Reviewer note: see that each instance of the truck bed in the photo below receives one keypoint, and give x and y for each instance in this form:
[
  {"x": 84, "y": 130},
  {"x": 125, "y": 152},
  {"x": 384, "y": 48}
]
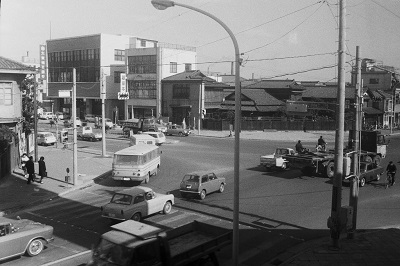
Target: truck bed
[{"x": 195, "y": 240}]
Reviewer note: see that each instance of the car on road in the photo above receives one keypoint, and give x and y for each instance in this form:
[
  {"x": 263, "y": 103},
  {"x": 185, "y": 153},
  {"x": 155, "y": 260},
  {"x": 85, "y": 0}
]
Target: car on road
[
  {"x": 158, "y": 136},
  {"x": 61, "y": 115},
  {"x": 45, "y": 138},
  {"x": 47, "y": 115},
  {"x": 177, "y": 130},
  {"x": 90, "y": 118},
  {"x": 87, "y": 133},
  {"x": 275, "y": 160},
  {"x": 136, "y": 203},
  {"x": 201, "y": 184},
  {"x": 68, "y": 123},
  {"x": 369, "y": 171},
  {"x": 23, "y": 236}
]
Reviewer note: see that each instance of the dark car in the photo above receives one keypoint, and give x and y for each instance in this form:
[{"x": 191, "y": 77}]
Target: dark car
[
  {"x": 18, "y": 237},
  {"x": 369, "y": 172},
  {"x": 201, "y": 184}
]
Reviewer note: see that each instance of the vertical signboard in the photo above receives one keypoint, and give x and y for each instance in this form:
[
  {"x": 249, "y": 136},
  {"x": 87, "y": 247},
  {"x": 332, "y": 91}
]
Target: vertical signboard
[
  {"x": 123, "y": 94},
  {"x": 42, "y": 69}
]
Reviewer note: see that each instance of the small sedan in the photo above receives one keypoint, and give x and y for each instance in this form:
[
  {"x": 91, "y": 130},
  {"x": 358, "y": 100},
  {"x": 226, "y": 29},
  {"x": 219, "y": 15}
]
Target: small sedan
[
  {"x": 177, "y": 130},
  {"x": 369, "y": 172},
  {"x": 136, "y": 203},
  {"x": 201, "y": 184},
  {"x": 46, "y": 138},
  {"x": 68, "y": 123},
  {"x": 22, "y": 236}
]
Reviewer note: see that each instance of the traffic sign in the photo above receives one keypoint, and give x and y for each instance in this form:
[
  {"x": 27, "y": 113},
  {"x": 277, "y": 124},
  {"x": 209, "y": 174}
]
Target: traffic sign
[{"x": 123, "y": 95}]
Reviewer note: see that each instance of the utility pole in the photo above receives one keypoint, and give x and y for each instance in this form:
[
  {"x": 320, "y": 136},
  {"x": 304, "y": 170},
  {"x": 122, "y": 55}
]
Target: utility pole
[
  {"x": 354, "y": 188},
  {"x": 35, "y": 117},
  {"x": 334, "y": 221},
  {"x": 75, "y": 140},
  {"x": 103, "y": 114}
]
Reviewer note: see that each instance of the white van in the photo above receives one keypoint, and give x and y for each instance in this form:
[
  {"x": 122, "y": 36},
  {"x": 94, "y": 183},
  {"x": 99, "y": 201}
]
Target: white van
[
  {"x": 141, "y": 139},
  {"x": 136, "y": 163},
  {"x": 158, "y": 136}
]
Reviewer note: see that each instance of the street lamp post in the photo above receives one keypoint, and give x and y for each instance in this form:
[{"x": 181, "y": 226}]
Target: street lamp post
[{"x": 164, "y": 4}]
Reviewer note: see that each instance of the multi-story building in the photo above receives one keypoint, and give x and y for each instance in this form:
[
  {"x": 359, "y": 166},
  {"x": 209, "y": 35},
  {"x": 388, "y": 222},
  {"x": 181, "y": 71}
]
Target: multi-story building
[
  {"x": 148, "y": 62},
  {"x": 93, "y": 57},
  {"x": 12, "y": 73}
]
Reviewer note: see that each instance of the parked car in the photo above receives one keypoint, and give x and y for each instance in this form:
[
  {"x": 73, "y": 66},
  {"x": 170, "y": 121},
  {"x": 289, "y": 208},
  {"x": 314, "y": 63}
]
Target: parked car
[
  {"x": 60, "y": 115},
  {"x": 136, "y": 203},
  {"x": 45, "y": 138},
  {"x": 68, "y": 123},
  {"x": 22, "y": 236},
  {"x": 47, "y": 115},
  {"x": 109, "y": 123},
  {"x": 201, "y": 184},
  {"x": 158, "y": 136},
  {"x": 177, "y": 130},
  {"x": 90, "y": 118}
]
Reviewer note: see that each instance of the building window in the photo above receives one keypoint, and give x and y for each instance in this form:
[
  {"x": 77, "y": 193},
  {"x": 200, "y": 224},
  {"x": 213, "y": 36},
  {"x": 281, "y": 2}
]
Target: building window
[
  {"x": 117, "y": 76},
  {"x": 142, "y": 64},
  {"x": 188, "y": 67},
  {"x": 181, "y": 91},
  {"x": 143, "y": 43},
  {"x": 119, "y": 55},
  {"x": 5, "y": 93},
  {"x": 142, "y": 89},
  {"x": 374, "y": 81},
  {"x": 173, "y": 67}
]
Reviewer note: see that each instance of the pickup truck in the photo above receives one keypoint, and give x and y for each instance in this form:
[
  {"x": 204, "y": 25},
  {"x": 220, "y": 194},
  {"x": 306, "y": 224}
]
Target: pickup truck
[
  {"x": 276, "y": 160},
  {"x": 88, "y": 134},
  {"x": 135, "y": 243}
]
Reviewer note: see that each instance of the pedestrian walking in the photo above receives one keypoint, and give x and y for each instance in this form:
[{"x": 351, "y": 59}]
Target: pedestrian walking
[
  {"x": 391, "y": 169},
  {"x": 42, "y": 169},
  {"x": 24, "y": 159},
  {"x": 30, "y": 168}
]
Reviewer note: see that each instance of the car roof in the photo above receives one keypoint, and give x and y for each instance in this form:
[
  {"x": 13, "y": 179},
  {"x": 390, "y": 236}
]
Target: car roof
[
  {"x": 44, "y": 132},
  {"x": 136, "y": 149},
  {"x": 200, "y": 173},
  {"x": 4, "y": 220},
  {"x": 135, "y": 190}
]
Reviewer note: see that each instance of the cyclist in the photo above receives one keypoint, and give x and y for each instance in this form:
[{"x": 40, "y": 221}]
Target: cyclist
[{"x": 391, "y": 170}]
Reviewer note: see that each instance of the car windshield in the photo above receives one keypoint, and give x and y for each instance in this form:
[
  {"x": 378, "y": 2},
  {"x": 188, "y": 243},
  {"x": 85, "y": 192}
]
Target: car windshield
[
  {"x": 48, "y": 135},
  {"x": 281, "y": 151},
  {"x": 191, "y": 178},
  {"x": 121, "y": 199}
]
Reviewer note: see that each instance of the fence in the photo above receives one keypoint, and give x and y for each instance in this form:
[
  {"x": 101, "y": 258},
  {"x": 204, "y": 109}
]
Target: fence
[{"x": 319, "y": 125}]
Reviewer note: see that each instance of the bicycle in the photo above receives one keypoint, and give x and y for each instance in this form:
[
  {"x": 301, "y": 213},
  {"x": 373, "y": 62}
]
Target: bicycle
[{"x": 389, "y": 177}]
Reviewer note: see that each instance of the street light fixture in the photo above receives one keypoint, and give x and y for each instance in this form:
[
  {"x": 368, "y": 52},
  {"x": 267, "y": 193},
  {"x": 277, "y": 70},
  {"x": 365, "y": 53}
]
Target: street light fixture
[{"x": 164, "y": 4}]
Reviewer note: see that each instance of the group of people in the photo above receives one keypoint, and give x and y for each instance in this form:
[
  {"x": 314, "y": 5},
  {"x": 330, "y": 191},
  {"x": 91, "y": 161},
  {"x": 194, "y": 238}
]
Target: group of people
[{"x": 29, "y": 168}]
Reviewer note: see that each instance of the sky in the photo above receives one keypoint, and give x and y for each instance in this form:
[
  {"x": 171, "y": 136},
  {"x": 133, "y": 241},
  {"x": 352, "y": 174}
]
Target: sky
[{"x": 278, "y": 39}]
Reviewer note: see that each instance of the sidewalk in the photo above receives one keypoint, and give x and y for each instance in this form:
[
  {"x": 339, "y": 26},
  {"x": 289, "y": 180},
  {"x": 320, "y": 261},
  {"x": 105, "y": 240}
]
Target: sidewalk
[{"x": 373, "y": 247}]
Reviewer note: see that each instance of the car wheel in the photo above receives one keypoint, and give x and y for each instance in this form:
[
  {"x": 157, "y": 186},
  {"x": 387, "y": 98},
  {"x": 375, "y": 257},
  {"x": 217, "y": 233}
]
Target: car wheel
[
  {"x": 221, "y": 188},
  {"x": 35, "y": 247},
  {"x": 203, "y": 194},
  {"x": 180, "y": 134},
  {"x": 284, "y": 166},
  {"x": 147, "y": 178},
  {"x": 92, "y": 139},
  {"x": 167, "y": 207},
  {"x": 330, "y": 170},
  {"x": 362, "y": 182},
  {"x": 136, "y": 217}
]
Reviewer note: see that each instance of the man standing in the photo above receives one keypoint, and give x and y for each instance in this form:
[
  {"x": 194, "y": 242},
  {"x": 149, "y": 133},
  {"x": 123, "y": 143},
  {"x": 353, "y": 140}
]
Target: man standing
[
  {"x": 299, "y": 147},
  {"x": 30, "y": 169},
  {"x": 391, "y": 169},
  {"x": 42, "y": 169}
]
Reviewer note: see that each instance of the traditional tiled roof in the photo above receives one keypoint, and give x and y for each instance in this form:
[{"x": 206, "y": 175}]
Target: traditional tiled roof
[
  {"x": 372, "y": 111},
  {"x": 327, "y": 92},
  {"x": 193, "y": 75},
  {"x": 271, "y": 83},
  {"x": 254, "y": 100},
  {"x": 378, "y": 95},
  {"x": 11, "y": 66}
]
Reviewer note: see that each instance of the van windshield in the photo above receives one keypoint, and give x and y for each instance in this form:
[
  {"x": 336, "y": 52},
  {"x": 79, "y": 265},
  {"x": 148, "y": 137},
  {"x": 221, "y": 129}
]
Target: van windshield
[{"x": 127, "y": 159}]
